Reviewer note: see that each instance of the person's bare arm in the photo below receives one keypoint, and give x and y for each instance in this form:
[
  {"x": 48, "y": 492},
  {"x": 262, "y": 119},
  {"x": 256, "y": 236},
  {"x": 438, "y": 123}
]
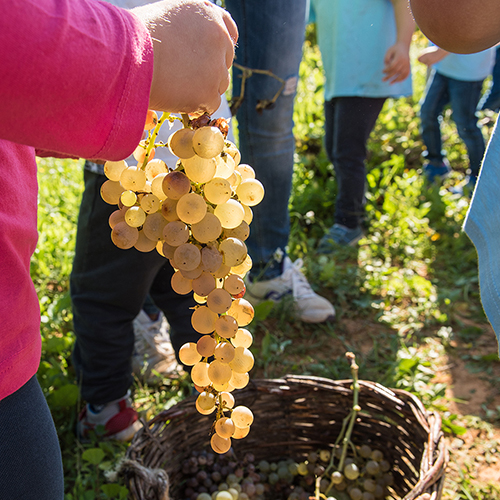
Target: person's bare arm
[
  {"x": 461, "y": 26},
  {"x": 397, "y": 59},
  {"x": 432, "y": 55}
]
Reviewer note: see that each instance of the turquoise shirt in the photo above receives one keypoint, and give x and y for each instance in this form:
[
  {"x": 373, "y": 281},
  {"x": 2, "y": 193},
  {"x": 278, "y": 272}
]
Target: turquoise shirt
[
  {"x": 353, "y": 36},
  {"x": 467, "y": 67}
]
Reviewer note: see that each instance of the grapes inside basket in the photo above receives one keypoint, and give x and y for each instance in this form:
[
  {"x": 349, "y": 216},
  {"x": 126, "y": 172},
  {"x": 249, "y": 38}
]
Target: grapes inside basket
[{"x": 395, "y": 449}]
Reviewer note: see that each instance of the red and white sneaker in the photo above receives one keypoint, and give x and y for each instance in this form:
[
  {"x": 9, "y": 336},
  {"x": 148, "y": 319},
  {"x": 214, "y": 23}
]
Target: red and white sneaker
[{"x": 117, "y": 420}]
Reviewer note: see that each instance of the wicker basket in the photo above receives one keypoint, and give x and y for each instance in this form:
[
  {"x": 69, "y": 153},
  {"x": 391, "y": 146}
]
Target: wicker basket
[{"x": 293, "y": 416}]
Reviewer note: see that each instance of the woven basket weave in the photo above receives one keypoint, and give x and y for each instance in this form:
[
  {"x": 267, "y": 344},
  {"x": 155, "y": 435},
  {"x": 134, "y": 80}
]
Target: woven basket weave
[{"x": 293, "y": 416}]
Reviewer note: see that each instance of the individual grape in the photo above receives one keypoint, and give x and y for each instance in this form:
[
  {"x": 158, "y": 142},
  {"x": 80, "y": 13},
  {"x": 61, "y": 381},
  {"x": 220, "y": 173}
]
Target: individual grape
[
  {"x": 153, "y": 226},
  {"x": 206, "y": 400},
  {"x": 220, "y": 387},
  {"x": 191, "y": 208},
  {"x": 231, "y": 149},
  {"x": 355, "y": 494},
  {"x": 351, "y": 471},
  {"x": 379, "y": 491},
  {"x": 250, "y": 192},
  {"x": 180, "y": 284},
  {"x": 324, "y": 455},
  {"x": 169, "y": 210},
  {"x": 368, "y": 495},
  {"x": 133, "y": 178},
  {"x": 199, "y": 374},
  {"x": 157, "y": 186},
  {"x": 224, "y": 352},
  {"x": 180, "y": 143},
  {"x": 246, "y": 171},
  {"x": 176, "y": 233},
  {"x": 135, "y": 216},
  {"x": 224, "y": 166},
  {"x": 222, "y": 272},
  {"x": 151, "y": 120},
  {"x": 201, "y": 410},
  {"x": 186, "y": 256},
  {"x": 243, "y": 268},
  {"x": 242, "y": 232},
  {"x": 128, "y": 198},
  {"x": 248, "y": 217},
  {"x": 242, "y": 338},
  {"x": 144, "y": 244},
  {"x": 208, "y": 229},
  {"x": 208, "y": 142},
  {"x": 155, "y": 167},
  {"x": 365, "y": 451},
  {"x": 204, "y": 284},
  {"x": 242, "y": 311},
  {"x": 234, "y": 251},
  {"x": 369, "y": 485},
  {"x": 377, "y": 455},
  {"x": 203, "y": 320},
  {"x": 224, "y": 427},
  {"x": 241, "y": 432},
  {"x": 188, "y": 354},
  {"x": 176, "y": 184},
  {"x": 211, "y": 259},
  {"x": 217, "y": 191},
  {"x": 219, "y": 300},
  {"x": 234, "y": 284},
  {"x": 243, "y": 360},
  {"x": 337, "y": 477},
  {"x": 150, "y": 203},
  {"x": 226, "y": 326},
  {"x": 206, "y": 346},
  {"x": 113, "y": 169},
  {"x": 230, "y": 213},
  {"x": 372, "y": 467},
  {"x": 227, "y": 399},
  {"x": 199, "y": 170},
  {"x": 239, "y": 380},
  {"x": 385, "y": 465},
  {"x": 111, "y": 192},
  {"x": 219, "y": 372},
  {"x": 242, "y": 416},
  {"x": 140, "y": 153},
  {"x": 116, "y": 216},
  {"x": 124, "y": 236},
  {"x": 204, "y": 496}
]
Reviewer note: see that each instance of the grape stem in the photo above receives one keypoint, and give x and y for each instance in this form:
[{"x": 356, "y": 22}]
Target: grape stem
[
  {"x": 347, "y": 424},
  {"x": 152, "y": 138}
]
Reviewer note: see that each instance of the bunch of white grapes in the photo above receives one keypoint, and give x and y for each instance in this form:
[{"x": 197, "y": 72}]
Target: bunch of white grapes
[{"x": 198, "y": 217}]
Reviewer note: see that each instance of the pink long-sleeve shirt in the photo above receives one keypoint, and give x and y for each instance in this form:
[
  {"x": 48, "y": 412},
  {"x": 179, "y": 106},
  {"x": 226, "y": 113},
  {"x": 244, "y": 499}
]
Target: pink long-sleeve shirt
[{"x": 75, "y": 77}]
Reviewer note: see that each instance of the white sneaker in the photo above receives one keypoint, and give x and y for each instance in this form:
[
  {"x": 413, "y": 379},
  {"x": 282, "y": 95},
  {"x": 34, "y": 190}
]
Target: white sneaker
[
  {"x": 153, "y": 349},
  {"x": 309, "y": 306}
]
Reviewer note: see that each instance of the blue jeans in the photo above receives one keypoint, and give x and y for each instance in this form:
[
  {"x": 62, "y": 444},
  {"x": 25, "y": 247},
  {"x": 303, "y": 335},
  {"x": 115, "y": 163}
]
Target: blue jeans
[
  {"x": 463, "y": 97},
  {"x": 491, "y": 98},
  {"x": 348, "y": 124},
  {"x": 108, "y": 289},
  {"x": 30, "y": 456},
  {"x": 271, "y": 38}
]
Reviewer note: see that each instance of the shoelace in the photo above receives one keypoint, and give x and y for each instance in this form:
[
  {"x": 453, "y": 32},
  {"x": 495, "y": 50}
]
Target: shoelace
[{"x": 300, "y": 286}]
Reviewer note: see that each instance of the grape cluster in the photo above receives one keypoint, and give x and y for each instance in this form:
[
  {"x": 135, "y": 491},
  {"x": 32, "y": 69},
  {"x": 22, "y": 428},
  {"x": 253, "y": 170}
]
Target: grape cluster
[
  {"x": 198, "y": 217},
  {"x": 365, "y": 476}
]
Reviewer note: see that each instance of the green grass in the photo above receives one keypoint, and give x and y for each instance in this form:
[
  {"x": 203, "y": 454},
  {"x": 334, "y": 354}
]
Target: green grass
[{"x": 407, "y": 299}]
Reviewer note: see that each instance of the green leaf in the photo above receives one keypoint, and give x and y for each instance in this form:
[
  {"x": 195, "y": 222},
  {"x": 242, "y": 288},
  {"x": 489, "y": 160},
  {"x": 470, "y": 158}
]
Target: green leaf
[
  {"x": 114, "y": 490},
  {"x": 67, "y": 395},
  {"x": 93, "y": 455}
]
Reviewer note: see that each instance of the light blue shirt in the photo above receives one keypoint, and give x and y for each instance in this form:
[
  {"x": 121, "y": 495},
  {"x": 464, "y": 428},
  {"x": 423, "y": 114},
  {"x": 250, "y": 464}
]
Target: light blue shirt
[
  {"x": 467, "y": 67},
  {"x": 353, "y": 36},
  {"x": 482, "y": 225}
]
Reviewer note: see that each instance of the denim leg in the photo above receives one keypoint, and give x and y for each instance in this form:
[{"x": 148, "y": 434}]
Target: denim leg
[
  {"x": 348, "y": 124},
  {"x": 30, "y": 455},
  {"x": 271, "y": 37},
  {"x": 435, "y": 98},
  {"x": 464, "y": 98},
  {"x": 108, "y": 288}
]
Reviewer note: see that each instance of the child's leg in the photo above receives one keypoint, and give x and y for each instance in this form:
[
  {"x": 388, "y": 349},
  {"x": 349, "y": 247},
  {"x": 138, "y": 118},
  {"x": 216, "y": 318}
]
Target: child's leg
[
  {"x": 435, "y": 98},
  {"x": 464, "y": 97},
  {"x": 348, "y": 124}
]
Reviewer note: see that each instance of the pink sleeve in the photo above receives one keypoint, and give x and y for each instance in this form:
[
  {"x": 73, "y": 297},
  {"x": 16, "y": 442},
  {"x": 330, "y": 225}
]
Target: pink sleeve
[{"x": 75, "y": 77}]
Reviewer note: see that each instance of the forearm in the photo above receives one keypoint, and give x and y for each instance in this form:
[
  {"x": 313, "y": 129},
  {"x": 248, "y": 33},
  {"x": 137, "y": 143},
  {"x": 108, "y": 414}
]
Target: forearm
[
  {"x": 405, "y": 25},
  {"x": 75, "y": 75},
  {"x": 461, "y": 26}
]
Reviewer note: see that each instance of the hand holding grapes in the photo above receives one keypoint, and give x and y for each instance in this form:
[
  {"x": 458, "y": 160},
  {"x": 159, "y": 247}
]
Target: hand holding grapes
[{"x": 193, "y": 43}]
